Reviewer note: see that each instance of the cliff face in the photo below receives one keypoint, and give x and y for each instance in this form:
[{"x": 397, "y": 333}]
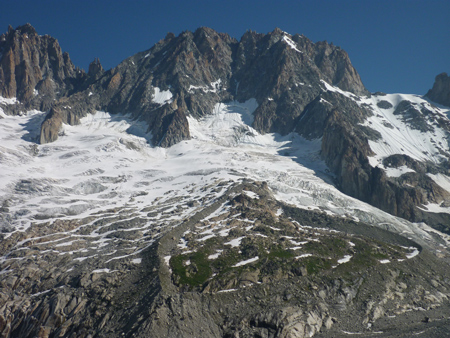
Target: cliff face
[
  {"x": 34, "y": 69},
  {"x": 193, "y": 72},
  {"x": 440, "y": 93}
]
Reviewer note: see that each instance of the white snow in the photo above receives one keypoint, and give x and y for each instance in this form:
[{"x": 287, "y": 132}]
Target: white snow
[
  {"x": 228, "y": 290},
  {"x": 228, "y": 125},
  {"x": 397, "y": 172},
  {"x": 248, "y": 261},
  {"x": 400, "y": 138},
  {"x": 136, "y": 260},
  {"x": 213, "y": 87},
  {"x": 8, "y": 101},
  {"x": 303, "y": 256},
  {"x": 331, "y": 88},
  {"x": 441, "y": 180},
  {"x": 434, "y": 207},
  {"x": 105, "y": 162},
  {"x": 413, "y": 254},
  {"x": 216, "y": 255},
  {"x": 345, "y": 259},
  {"x": 251, "y": 194},
  {"x": 291, "y": 43},
  {"x": 103, "y": 271},
  {"x": 235, "y": 242},
  {"x": 161, "y": 97},
  {"x": 167, "y": 260}
]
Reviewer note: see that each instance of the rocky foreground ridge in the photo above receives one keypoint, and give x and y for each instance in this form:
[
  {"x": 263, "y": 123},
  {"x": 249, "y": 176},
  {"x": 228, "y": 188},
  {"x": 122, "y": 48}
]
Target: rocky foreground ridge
[
  {"x": 242, "y": 266},
  {"x": 220, "y": 257}
]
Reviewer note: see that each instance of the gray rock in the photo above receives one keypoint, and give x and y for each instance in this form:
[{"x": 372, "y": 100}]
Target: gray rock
[{"x": 440, "y": 93}]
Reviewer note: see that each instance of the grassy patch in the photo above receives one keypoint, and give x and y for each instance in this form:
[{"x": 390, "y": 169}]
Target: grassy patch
[
  {"x": 316, "y": 264},
  {"x": 194, "y": 274}
]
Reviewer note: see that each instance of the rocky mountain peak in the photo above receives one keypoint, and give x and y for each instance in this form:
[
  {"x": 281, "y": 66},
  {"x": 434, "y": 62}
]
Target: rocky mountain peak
[
  {"x": 33, "y": 68},
  {"x": 203, "y": 68},
  {"x": 26, "y": 29},
  {"x": 95, "y": 68},
  {"x": 440, "y": 93}
]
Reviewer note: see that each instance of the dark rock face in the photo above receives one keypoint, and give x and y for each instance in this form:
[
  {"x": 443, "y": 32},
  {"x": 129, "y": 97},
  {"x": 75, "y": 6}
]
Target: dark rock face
[
  {"x": 345, "y": 149},
  {"x": 34, "y": 69},
  {"x": 203, "y": 68},
  {"x": 95, "y": 68},
  {"x": 440, "y": 93}
]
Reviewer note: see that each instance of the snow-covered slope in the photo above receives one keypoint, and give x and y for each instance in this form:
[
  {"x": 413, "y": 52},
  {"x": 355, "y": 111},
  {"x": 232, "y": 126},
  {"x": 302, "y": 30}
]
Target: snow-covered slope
[
  {"x": 400, "y": 135},
  {"x": 407, "y": 138},
  {"x": 84, "y": 213},
  {"x": 102, "y": 165}
]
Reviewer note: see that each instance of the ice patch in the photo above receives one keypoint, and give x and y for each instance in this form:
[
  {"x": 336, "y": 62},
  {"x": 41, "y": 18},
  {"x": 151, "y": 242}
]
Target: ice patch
[
  {"x": 291, "y": 43},
  {"x": 251, "y": 194},
  {"x": 167, "y": 260},
  {"x": 228, "y": 125},
  {"x": 345, "y": 259},
  {"x": 248, "y": 261},
  {"x": 413, "y": 254},
  {"x": 397, "y": 136},
  {"x": 8, "y": 101},
  {"x": 216, "y": 255},
  {"x": 442, "y": 180},
  {"x": 397, "y": 172},
  {"x": 235, "y": 242},
  {"x": 161, "y": 97},
  {"x": 213, "y": 87},
  {"x": 228, "y": 290},
  {"x": 106, "y": 270}
]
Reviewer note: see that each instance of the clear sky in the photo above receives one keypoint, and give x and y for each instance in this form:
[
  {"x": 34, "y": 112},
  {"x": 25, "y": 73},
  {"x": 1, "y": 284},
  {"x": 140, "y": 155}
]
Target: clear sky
[{"x": 395, "y": 45}]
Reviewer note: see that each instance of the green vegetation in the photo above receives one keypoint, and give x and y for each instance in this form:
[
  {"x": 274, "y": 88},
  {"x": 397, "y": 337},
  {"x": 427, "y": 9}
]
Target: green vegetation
[
  {"x": 315, "y": 264},
  {"x": 194, "y": 274},
  {"x": 276, "y": 259}
]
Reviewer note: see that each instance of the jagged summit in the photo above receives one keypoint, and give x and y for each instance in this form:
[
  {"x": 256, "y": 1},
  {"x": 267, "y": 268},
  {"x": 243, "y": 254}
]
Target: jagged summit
[
  {"x": 199, "y": 69},
  {"x": 34, "y": 69},
  {"x": 24, "y": 29},
  {"x": 440, "y": 93},
  {"x": 95, "y": 68}
]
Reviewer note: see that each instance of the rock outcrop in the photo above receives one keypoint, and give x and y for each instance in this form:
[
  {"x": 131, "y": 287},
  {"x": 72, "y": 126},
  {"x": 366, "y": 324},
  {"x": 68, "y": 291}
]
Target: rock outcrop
[
  {"x": 34, "y": 69},
  {"x": 190, "y": 73},
  {"x": 440, "y": 93}
]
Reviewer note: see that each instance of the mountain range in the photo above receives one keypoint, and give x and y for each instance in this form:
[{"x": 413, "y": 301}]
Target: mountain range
[{"x": 215, "y": 187}]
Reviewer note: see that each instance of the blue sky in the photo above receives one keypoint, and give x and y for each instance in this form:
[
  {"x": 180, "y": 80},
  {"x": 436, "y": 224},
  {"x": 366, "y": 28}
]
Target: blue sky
[{"x": 396, "y": 45}]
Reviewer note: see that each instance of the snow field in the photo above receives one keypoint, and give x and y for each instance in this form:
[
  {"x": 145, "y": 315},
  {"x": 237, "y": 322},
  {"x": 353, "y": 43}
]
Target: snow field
[{"x": 105, "y": 169}]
